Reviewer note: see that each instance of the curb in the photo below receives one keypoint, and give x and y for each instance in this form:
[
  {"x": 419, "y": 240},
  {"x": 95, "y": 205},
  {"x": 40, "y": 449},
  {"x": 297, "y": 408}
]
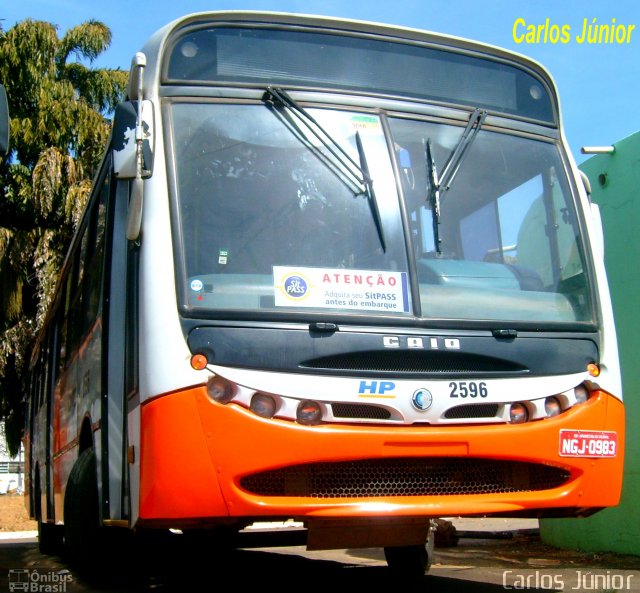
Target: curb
[{"x": 18, "y": 535}]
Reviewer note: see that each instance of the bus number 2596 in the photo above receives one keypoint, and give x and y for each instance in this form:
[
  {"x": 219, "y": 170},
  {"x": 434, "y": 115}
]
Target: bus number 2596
[{"x": 468, "y": 389}]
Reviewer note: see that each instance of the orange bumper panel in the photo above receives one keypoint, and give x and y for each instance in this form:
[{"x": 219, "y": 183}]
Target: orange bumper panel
[
  {"x": 195, "y": 453},
  {"x": 177, "y": 475}
]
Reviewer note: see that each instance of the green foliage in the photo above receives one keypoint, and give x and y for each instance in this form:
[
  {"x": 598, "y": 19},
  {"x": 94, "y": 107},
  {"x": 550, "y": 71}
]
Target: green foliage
[{"x": 59, "y": 105}]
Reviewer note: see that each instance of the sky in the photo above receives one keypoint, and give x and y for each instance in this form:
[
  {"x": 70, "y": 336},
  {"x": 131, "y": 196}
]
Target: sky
[{"x": 598, "y": 82}]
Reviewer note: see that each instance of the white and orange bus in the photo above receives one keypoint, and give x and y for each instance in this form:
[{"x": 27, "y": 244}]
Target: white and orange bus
[{"x": 331, "y": 271}]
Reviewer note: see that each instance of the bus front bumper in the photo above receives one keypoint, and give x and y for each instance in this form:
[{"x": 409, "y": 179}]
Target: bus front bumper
[{"x": 203, "y": 462}]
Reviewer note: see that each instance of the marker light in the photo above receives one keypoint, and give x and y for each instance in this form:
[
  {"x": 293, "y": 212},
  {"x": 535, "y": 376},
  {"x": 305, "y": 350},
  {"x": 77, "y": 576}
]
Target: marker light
[
  {"x": 221, "y": 390},
  {"x": 581, "y": 393},
  {"x": 199, "y": 362},
  {"x": 552, "y": 406},
  {"x": 593, "y": 369},
  {"x": 263, "y": 405},
  {"x": 309, "y": 413},
  {"x": 518, "y": 413}
]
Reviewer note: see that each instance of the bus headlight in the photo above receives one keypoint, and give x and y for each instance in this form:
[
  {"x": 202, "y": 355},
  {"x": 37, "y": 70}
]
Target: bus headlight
[
  {"x": 552, "y": 406},
  {"x": 518, "y": 413},
  {"x": 581, "y": 393},
  {"x": 263, "y": 405},
  {"x": 221, "y": 390},
  {"x": 309, "y": 413}
]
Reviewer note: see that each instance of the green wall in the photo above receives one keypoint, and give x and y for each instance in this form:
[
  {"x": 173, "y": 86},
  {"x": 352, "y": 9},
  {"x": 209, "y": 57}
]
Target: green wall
[{"x": 615, "y": 183}]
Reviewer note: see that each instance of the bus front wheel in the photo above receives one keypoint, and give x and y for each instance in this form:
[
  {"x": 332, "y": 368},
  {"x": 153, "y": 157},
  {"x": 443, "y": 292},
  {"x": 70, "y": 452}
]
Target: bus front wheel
[
  {"x": 81, "y": 519},
  {"x": 411, "y": 562}
]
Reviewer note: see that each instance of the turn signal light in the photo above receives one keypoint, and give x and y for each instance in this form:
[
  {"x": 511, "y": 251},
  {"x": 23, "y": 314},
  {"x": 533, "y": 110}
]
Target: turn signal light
[
  {"x": 593, "y": 369},
  {"x": 199, "y": 362}
]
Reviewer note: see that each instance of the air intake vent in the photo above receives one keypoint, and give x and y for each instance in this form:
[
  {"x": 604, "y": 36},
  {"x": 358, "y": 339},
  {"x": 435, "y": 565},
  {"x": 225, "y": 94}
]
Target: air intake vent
[
  {"x": 472, "y": 411},
  {"x": 417, "y": 362},
  {"x": 405, "y": 477},
  {"x": 360, "y": 411}
]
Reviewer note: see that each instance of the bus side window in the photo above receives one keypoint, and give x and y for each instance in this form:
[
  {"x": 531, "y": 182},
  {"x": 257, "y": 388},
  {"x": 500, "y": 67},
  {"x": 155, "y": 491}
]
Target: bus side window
[
  {"x": 76, "y": 328},
  {"x": 92, "y": 284},
  {"x": 84, "y": 281},
  {"x": 63, "y": 327}
]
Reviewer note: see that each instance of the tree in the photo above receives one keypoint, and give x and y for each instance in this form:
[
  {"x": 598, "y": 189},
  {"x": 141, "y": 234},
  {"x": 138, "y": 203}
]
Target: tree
[{"x": 59, "y": 108}]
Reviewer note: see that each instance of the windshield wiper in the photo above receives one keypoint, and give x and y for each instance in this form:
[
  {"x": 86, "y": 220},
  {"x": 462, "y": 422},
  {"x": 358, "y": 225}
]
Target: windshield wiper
[
  {"x": 371, "y": 196},
  {"x": 433, "y": 195},
  {"x": 338, "y": 161},
  {"x": 438, "y": 186}
]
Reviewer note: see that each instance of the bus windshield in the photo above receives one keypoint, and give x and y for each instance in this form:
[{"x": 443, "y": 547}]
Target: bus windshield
[
  {"x": 502, "y": 240},
  {"x": 269, "y": 222}
]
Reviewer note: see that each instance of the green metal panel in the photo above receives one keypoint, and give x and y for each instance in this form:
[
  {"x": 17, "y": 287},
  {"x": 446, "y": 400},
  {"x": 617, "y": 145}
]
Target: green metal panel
[{"x": 615, "y": 181}]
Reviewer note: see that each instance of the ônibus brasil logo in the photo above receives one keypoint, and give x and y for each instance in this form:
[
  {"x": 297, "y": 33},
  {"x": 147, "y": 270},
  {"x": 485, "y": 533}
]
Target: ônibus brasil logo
[
  {"x": 295, "y": 287},
  {"x": 39, "y": 581}
]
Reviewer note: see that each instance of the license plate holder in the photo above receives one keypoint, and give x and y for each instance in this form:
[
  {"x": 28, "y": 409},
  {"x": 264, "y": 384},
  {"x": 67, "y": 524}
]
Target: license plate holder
[{"x": 588, "y": 443}]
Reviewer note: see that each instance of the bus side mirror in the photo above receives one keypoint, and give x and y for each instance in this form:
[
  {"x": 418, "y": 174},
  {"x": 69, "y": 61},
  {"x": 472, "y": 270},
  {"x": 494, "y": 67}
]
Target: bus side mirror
[
  {"x": 123, "y": 140},
  {"x": 132, "y": 144},
  {"x": 4, "y": 122},
  {"x": 135, "y": 160}
]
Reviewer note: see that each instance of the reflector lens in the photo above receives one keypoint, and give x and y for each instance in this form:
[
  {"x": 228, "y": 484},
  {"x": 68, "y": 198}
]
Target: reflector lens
[
  {"x": 309, "y": 413},
  {"x": 518, "y": 413},
  {"x": 552, "y": 406},
  {"x": 199, "y": 362},
  {"x": 581, "y": 393},
  {"x": 221, "y": 390},
  {"x": 593, "y": 369},
  {"x": 263, "y": 405}
]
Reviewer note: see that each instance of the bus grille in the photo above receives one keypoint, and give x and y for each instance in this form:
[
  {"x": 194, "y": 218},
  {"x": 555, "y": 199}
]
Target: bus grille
[
  {"x": 404, "y": 477},
  {"x": 349, "y": 410},
  {"x": 415, "y": 362},
  {"x": 472, "y": 411}
]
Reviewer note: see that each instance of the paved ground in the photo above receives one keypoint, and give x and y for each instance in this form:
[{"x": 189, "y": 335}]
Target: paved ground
[
  {"x": 490, "y": 556},
  {"x": 509, "y": 553}
]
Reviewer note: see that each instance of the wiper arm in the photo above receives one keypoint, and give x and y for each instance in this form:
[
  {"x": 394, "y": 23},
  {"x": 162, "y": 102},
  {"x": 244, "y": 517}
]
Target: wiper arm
[
  {"x": 455, "y": 159},
  {"x": 371, "y": 195},
  {"x": 437, "y": 186},
  {"x": 341, "y": 163}
]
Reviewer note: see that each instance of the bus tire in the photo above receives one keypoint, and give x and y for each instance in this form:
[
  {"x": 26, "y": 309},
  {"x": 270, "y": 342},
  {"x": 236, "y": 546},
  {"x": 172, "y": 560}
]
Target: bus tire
[
  {"x": 410, "y": 562},
  {"x": 81, "y": 517}
]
